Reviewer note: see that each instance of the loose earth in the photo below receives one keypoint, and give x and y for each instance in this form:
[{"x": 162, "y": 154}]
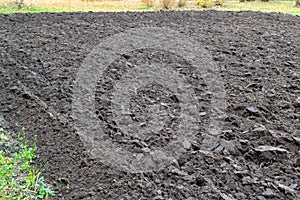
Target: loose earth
[{"x": 257, "y": 154}]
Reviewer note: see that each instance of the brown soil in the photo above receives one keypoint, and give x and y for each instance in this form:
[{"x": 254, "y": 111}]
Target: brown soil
[{"x": 258, "y": 56}]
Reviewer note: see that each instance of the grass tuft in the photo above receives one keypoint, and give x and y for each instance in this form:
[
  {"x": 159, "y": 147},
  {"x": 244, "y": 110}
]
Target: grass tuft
[{"x": 19, "y": 179}]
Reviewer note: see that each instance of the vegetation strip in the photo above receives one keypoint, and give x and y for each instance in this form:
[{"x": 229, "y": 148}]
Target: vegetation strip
[
  {"x": 17, "y": 6},
  {"x": 19, "y": 178}
]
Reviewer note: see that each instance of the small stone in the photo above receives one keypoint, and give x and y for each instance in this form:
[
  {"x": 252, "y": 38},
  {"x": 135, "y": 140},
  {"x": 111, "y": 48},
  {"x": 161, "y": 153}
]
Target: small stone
[
  {"x": 252, "y": 109},
  {"x": 231, "y": 185},
  {"x": 186, "y": 144},
  {"x": 143, "y": 124},
  {"x": 157, "y": 181},
  {"x": 180, "y": 187},
  {"x": 202, "y": 114},
  {"x": 268, "y": 193},
  {"x": 51, "y": 115},
  {"x": 261, "y": 198},
  {"x": 259, "y": 129},
  {"x": 139, "y": 156},
  {"x": 294, "y": 75},
  {"x": 129, "y": 64},
  {"x": 248, "y": 180},
  {"x": 264, "y": 89},
  {"x": 271, "y": 50},
  {"x": 285, "y": 85},
  {"x": 293, "y": 186}
]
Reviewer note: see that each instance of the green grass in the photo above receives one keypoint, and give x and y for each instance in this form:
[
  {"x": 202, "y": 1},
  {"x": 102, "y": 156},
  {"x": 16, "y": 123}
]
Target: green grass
[
  {"x": 28, "y": 9},
  {"x": 19, "y": 179}
]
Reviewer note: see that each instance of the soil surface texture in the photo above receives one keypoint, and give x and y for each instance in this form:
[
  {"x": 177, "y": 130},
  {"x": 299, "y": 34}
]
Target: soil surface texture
[{"x": 257, "y": 153}]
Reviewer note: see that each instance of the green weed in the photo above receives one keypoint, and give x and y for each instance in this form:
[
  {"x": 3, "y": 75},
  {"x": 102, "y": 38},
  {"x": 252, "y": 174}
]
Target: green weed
[{"x": 19, "y": 179}]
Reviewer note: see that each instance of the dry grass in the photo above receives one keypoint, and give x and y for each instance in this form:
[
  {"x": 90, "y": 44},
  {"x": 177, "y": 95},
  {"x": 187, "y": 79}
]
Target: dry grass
[
  {"x": 137, "y": 5},
  {"x": 88, "y": 5},
  {"x": 148, "y": 3},
  {"x": 167, "y": 4},
  {"x": 205, "y": 3},
  {"x": 182, "y": 3},
  {"x": 272, "y": 6}
]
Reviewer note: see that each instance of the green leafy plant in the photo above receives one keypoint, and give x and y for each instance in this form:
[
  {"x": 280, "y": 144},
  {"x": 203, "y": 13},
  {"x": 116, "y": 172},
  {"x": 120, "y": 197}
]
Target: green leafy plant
[{"x": 19, "y": 179}]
